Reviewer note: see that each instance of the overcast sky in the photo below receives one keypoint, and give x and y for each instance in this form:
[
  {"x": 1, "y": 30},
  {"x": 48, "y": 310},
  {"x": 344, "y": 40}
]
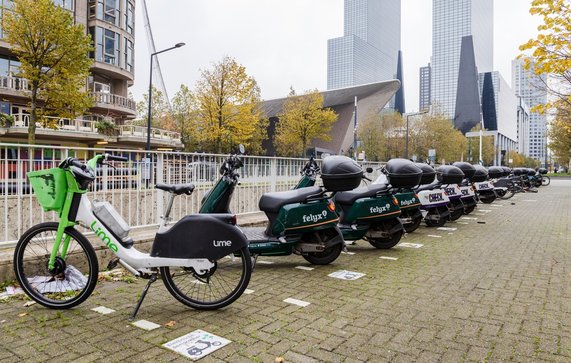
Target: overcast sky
[{"x": 284, "y": 43}]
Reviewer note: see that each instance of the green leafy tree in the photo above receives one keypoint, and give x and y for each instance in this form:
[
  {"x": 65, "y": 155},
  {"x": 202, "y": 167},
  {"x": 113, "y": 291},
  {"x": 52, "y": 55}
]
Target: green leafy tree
[
  {"x": 559, "y": 134},
  {"x": 488, "y": 148},
  {"x": 228, "y": 108},
  {"x": 551, "y": 49},
  {"x": 437, "y": 132},
  {"x": 160, "y": 111},
  {"x": 53, "y": 52},
  {"x": 302, "y": 121},
  {"x": 382, "y": 136}
]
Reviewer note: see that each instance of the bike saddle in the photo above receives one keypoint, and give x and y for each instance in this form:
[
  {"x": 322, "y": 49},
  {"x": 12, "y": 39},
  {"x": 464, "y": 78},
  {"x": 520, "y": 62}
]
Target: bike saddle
[
  {"x": 351, "y": 196},
  {"x": 177, "y": 189},
  {"x": 431, "y": 186},
  {"x": 272, "y": 202}
]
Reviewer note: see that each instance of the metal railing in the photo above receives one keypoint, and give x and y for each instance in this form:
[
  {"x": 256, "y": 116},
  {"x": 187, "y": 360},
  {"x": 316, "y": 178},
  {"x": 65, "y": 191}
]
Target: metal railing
[
  {"x": 22, "y": 120},
  {"x": 115, "y": 100},
  {"x": 130, "y": 186},
  {"x": 14, "y": 83}
]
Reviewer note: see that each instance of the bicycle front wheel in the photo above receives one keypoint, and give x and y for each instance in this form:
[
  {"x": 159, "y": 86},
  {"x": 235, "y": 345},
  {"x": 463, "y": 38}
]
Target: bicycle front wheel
[
  {"x": 212, "y": 289},
  {"x": 545, "y": 180},
  {"x": 74, "y": 275}
]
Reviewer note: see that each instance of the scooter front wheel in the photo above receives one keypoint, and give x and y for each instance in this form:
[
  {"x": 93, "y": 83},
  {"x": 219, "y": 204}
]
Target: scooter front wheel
[
  {"x": 325, "y": 257},
  {"x": 411, "y": 227},
  {"x": 214, "y": 289},
  {"x": 470, "y": 209},
  {"x": 455, "y": 214},
  {"x": 386, "y": 243},
  {"x": 438, "y": 223}
]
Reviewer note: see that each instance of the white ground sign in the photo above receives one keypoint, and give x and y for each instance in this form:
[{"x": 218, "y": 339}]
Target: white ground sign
[
  {"x": 196, "y": 344},
  {"x": 346, "y": 275}
]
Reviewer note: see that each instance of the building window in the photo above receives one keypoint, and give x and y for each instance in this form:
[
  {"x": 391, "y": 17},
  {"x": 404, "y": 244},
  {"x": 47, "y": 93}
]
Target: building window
[
  {"x": 107, "y": 45},
  {"x": 129, "y": 55},
  {"x": 66, "y": 4},
  {"x": 106, "y": 10},
  {"x": 129, "y": 25}
]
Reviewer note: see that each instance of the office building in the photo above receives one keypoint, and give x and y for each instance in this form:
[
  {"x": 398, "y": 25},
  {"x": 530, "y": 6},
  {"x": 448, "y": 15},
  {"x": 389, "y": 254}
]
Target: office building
[
  {"x": 368, "y": 50},
  {"x": 530, "y": 88},
  {"x": 424, "y": 88},
  {"x": 451, "y": 21},
  {"x": 111, "y": 24}
]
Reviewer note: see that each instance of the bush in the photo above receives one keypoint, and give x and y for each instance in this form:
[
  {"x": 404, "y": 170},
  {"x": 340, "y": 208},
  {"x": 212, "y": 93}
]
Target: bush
[
  {"x": 6, "y": 120},
  {"x": 107, "y": 127}
]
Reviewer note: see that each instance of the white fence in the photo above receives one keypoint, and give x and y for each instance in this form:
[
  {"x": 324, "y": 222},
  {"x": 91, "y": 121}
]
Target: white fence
[{"x": 127, "y": 188}]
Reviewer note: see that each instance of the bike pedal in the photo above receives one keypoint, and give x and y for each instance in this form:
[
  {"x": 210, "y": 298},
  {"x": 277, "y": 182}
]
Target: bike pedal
[{"x": 112, "y": 264}]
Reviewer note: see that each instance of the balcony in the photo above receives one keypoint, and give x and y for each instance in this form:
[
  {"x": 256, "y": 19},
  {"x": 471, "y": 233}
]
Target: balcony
[
  {"x": 86, "y": 131},
  {"x": 119, "y": 103}
]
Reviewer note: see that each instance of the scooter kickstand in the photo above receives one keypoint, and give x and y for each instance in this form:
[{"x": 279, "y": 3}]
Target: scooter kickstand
[
  {"x": 254, "y": 260},
  {"x": 152, "y": 279}
]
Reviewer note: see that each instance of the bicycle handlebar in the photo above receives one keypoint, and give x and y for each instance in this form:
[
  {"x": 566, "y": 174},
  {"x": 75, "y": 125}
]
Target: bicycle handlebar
[{"x": 115, "y": 158}]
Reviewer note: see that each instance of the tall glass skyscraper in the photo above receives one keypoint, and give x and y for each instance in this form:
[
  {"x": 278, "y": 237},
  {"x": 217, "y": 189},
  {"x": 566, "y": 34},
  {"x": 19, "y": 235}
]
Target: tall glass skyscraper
[
  {"x": 368, "y": 51},
  {"x": 528, "y": 86},
  {"x": 452, "y": 20}
]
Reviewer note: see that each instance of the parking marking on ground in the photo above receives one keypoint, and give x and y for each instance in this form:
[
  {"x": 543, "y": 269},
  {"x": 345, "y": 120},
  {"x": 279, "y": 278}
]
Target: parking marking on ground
[
  {"x": 433, "y": 236},
  {"x": 411, "y": 245},
  {"x": 346, "y": 275},
  {"x": 248, "y": 291},
  {"x": 146, "y": 325},
  {"x": 297, "y": 302},
  {"x": 462, "y": 222},
  {"x": 347, "y": 253},
  {"x": 196, "y": 344},
  {"x": 306, "y": 268},
  {"x": 469, "y": 218},
  {"x": 265, "y": 262},
  {"x": 103, "y": 310},
  {"x": 446, "y": 228},
  {"x": 389, "y": 258}
]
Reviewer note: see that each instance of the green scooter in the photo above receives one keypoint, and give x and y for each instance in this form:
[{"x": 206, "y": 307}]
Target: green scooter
[
  {"x": 301, "y": 221},
  {"x": 370, "y": 212}
]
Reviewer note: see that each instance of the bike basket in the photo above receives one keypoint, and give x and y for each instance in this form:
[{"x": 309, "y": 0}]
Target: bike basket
[{"x": 50, "y": 187}]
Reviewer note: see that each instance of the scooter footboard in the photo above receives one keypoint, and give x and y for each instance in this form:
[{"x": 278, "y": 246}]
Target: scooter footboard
[{"x": 210, "y": 236}]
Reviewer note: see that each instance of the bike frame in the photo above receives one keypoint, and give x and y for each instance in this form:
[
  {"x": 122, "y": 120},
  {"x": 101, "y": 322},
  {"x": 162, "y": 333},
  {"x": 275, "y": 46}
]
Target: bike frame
[{"x": 131, "y": 258}]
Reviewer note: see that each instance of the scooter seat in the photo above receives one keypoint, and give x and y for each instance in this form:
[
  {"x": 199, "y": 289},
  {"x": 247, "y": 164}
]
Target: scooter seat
[
  {"x": 430, "y": 186},
  {"x": 272, "y": 202},
  {"x": 348, "y": 198}
]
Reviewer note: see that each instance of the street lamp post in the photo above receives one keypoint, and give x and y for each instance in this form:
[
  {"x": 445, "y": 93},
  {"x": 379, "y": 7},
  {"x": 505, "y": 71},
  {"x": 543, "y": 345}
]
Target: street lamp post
[
  {"x": 407, "y": 116},
  {"x": 150, "y": 101}
]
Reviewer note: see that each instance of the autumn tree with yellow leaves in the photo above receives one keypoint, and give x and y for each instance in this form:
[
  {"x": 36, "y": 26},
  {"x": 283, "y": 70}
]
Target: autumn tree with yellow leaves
[
  {"x": 228, "y": 112},
  {"x": 54, "y": 56},
  {"x": 437, "y": 132},
  {"x": 551, "y": 50},
  {"x": 382, "y": 136},
  {"x": 559, "y": 134},
  {"x": 302, "y": 121}
]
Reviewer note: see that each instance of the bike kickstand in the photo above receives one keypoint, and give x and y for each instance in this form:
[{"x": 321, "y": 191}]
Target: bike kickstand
[{"x": 152, "y": 279}]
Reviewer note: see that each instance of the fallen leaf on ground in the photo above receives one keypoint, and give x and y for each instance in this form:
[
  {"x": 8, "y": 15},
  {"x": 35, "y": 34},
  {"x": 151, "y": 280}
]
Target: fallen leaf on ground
[
  {"x": 29, "y": 303},
  {"x": 171, "y": 323},
  {"x": 22, "y": 314}
]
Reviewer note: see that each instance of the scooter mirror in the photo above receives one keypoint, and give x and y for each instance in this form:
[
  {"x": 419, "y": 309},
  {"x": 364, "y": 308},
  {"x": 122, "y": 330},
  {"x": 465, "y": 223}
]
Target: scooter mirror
[
  {"x": 369, "y": 170},
  {"x": 241, "y": 148}
]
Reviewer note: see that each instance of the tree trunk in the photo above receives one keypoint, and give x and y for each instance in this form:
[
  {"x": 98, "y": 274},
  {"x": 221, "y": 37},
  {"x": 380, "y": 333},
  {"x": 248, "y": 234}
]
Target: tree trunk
[{"x": 33, "y": 114}]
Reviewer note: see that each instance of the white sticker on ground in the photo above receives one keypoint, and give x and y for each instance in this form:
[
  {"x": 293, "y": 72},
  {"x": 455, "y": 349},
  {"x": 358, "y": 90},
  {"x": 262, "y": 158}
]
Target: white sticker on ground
[
  {"x": 146, "y": 325},
  {"x": 411, "y": 245},
  {"x": 306, "y": 268},
  {"x": 446, "y": 228},
  {"x": 346, "y": 275},
  {"x": 469, "y": 218},
  {"x": 496, "y": 205},
  {"x": 248, "y": 291},
  {"x": 297, "y": 302},
  {"x": 197, "y": 344},
  {"x": 389, "y": 258},
  {"x": 265, "y": 262},
  {"x": 433, "y": 236},
  {"x": 462, "y": 222},
  {"x": 348, "y": 253},
  {"x": 484, "y": 210},
  {"x": 103, "y": 310}
]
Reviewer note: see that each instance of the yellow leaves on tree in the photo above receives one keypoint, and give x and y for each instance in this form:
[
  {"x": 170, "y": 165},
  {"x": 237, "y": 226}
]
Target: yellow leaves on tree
[
  {"x": 303, "y": 120},
  {"x": 227, "y": 107},
  {"x": 488, "y": 148},
  {"x": 437, "y": 132},
  {"x": 559, "y": 134},
  {"x": 382, "y": 137},
  {"x": 53, "y": 52},
  {"x": 551, "y": 49}
]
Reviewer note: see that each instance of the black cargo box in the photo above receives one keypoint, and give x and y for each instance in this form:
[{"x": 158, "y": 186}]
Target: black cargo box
[
  {"x": 340, "y": 173},
  {"x": 519, "y": 171},
  {"x": 542, "y": 171},
  {"x": 402, "y": 173},
  {"x": 507, "y": 171},
  {"x": 480, "y": 175},
  {"x": 467, "y": 168},
  {"x": 428, "y": 173},
  {"x": 495, "y": 172},
  {"x": 530, "y": 171},
  {"x": 449, "y": 174}
]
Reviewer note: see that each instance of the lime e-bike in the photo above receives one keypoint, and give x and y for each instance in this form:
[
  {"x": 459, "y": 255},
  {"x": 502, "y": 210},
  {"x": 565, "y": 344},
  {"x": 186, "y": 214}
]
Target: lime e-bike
[{"x": 203, "y": 259}]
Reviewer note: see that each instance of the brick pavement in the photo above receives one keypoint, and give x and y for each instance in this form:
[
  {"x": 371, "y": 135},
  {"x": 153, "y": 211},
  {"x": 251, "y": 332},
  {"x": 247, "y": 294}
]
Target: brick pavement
[{"x": 492, "y": 291}]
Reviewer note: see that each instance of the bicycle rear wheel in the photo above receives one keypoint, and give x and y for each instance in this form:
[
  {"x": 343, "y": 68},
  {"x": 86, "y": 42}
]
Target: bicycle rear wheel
[
  {"x": 74, "y": 276},
  {"x": 214, "y": 289},
  {"x": 545, "y": 180}
]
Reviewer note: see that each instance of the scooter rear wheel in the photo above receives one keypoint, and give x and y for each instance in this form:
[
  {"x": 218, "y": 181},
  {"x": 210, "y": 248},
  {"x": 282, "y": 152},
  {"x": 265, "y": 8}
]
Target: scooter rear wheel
[
  {"x": 386, "y": 243},
  {"x": 455, "y": 214},
  {"x": 439, "y": 223},
  {"x": 216, "y": 288},
  {"x": 411, "y": 227},
  {"x": 325, "y": 257},
  {"x": 470, "y": 209}
]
